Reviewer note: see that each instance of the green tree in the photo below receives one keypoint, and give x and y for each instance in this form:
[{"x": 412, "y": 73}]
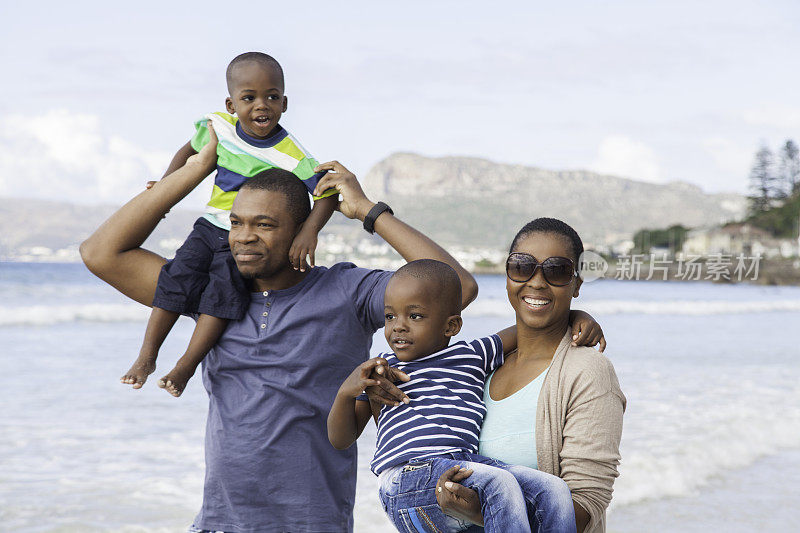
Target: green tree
[
  {"x": 671, "y": 238},
  {"x": 763, "y": 182},
  {"x": 789, "y": 170}
]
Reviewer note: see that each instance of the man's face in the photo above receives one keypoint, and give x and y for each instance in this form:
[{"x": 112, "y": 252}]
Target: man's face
[
  {"x": 416, "y": 323},
  {"x": 256, "y": 98},
  {"x": 262, "y": 231}
]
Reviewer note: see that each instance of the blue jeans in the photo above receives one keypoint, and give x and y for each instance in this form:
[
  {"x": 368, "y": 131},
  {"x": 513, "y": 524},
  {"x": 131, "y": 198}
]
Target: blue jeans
[{"x": 513, "y": 498}]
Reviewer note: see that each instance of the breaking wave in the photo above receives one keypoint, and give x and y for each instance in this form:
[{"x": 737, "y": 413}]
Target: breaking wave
[
  {"x": 46, "y": 315},
  {"x": 497, "y": 307}
]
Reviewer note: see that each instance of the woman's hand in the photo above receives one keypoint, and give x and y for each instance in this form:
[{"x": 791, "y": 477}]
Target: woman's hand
[
  {"x": 455, "y": 499},
  {"x": 586, "y": 331}
]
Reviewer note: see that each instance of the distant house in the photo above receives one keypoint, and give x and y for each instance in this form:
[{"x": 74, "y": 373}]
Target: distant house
[{"x": 736, "y": 239}]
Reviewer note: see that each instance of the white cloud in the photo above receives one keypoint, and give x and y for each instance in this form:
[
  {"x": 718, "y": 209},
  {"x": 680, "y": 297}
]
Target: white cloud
[
  {"x": 730, "y": 156},
  {"x": 621, "y": 156},
  {"x": 66, "y": 156},
  {"x": 775, "y": 116}
]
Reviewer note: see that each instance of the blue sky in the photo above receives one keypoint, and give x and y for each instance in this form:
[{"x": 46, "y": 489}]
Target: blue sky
[{"x": 96, "y": 97}]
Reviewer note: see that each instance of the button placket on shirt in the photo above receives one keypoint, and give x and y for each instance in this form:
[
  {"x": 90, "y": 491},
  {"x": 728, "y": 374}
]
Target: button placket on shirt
[{"x": 265, "y": 312}]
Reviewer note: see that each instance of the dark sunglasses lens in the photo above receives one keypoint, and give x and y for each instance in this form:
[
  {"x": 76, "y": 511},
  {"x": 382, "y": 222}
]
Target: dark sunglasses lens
[
  {"x": 558, "y": 270},
  {"x": 520, "y": 268}
]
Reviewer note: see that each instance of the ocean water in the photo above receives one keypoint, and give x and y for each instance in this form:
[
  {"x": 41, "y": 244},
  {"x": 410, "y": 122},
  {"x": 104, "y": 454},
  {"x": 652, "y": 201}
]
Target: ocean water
[{"x": 711, "y": 433}]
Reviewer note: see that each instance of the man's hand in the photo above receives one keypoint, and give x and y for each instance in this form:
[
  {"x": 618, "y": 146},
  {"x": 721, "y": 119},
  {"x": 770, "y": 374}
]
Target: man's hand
[
  {"x": 354, "y": 203},
  {"x": 384, "y": 391},
  {"x": 586, "y": 331},
  {"x": 455, "y": 499}
]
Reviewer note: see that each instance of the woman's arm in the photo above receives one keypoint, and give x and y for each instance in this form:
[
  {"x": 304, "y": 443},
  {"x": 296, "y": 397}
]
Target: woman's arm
[
  {"x": 508, "y": 337},
  {"x": 463, "y": 503},
  {"x": 589, "y": 454},
  {"x": 586, "y": 331}
]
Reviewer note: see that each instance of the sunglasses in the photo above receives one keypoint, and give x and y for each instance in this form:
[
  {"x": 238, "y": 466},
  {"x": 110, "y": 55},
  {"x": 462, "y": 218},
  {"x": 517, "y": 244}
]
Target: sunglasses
[{"x": 557, "y": 271}]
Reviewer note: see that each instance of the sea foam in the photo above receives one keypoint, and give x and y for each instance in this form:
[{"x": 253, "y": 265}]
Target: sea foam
[
  {"x": 683, "y": 445},
  {"x": 42, "y": 315},
  {"x": 500, "y": 307},
  {"x": 45, "y": 315}
]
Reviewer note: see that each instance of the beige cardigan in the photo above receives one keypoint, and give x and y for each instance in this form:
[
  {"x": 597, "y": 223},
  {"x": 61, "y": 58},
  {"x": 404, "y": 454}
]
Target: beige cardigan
[{"x": 579, "y": 425}]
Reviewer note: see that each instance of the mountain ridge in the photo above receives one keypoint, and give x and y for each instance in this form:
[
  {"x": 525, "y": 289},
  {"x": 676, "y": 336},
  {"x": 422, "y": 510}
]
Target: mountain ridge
[
  {"x": 457, "y": 201},
  {"x": 502, "y": 197}
]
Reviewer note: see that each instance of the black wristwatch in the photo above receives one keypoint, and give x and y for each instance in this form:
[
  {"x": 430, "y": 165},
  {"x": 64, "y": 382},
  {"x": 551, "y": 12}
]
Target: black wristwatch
[{"x": 375, "y": 212}]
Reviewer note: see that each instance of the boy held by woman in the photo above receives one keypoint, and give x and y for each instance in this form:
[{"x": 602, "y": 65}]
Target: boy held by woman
[{"x": 437, "y": 425}]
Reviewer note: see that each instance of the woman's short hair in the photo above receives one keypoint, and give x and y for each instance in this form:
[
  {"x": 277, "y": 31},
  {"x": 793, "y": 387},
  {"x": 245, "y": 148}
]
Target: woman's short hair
[{"x": 550, "y": 225}]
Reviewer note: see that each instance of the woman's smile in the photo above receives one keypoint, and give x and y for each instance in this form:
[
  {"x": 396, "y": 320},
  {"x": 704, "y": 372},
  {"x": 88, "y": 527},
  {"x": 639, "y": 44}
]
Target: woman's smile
[{"x": 536, "y": 303}]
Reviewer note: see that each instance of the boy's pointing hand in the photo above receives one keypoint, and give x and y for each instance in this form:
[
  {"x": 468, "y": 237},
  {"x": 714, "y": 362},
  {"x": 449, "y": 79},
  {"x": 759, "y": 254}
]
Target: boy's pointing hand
[
  {"x": 385, "y": 391},
  {"x": 370, "y": 376}
]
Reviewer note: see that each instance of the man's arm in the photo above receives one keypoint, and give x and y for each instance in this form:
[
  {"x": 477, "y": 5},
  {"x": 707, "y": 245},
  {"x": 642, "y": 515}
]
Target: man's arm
[
  {"x": 113, "y": 252},
  {"x": 409, "y": 243}
]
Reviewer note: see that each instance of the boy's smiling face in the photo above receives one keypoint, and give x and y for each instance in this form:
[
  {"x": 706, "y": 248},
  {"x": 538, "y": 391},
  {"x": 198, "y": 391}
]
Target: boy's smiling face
[
  {"x": 416, "y": 323},
  {"x": 256, "y": 96}
]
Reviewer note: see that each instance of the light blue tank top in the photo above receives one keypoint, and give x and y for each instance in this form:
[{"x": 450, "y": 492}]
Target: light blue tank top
[{"x": 509, "y": 427}]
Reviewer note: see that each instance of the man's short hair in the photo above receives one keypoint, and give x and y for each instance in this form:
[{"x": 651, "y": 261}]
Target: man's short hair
[
  {"x": 265, "y": 60},
  {"x": 286, "y": 183},
  {"x": 444, "y": 283}
]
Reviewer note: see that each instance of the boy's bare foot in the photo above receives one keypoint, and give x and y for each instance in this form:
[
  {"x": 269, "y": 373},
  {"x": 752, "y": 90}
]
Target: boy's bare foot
[
  {"x": 176, "y": 380},
  {"x": 144, "y": 365}
]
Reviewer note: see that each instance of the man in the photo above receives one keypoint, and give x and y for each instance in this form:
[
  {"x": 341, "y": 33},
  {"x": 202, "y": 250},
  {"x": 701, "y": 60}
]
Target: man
[{"x": 273, "y": 375}]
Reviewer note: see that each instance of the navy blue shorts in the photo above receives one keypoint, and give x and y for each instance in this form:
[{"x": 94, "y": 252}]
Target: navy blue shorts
[{"x": 203, "y": 278}]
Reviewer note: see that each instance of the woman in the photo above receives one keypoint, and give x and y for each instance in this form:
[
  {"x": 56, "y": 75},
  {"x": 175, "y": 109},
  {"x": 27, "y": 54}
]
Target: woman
[{"x": 572, "y": 393}]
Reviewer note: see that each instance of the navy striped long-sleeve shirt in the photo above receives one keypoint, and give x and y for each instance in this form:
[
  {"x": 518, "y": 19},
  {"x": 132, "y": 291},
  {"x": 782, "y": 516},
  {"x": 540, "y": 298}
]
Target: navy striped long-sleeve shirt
[{"x": 446, "y": 408}]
